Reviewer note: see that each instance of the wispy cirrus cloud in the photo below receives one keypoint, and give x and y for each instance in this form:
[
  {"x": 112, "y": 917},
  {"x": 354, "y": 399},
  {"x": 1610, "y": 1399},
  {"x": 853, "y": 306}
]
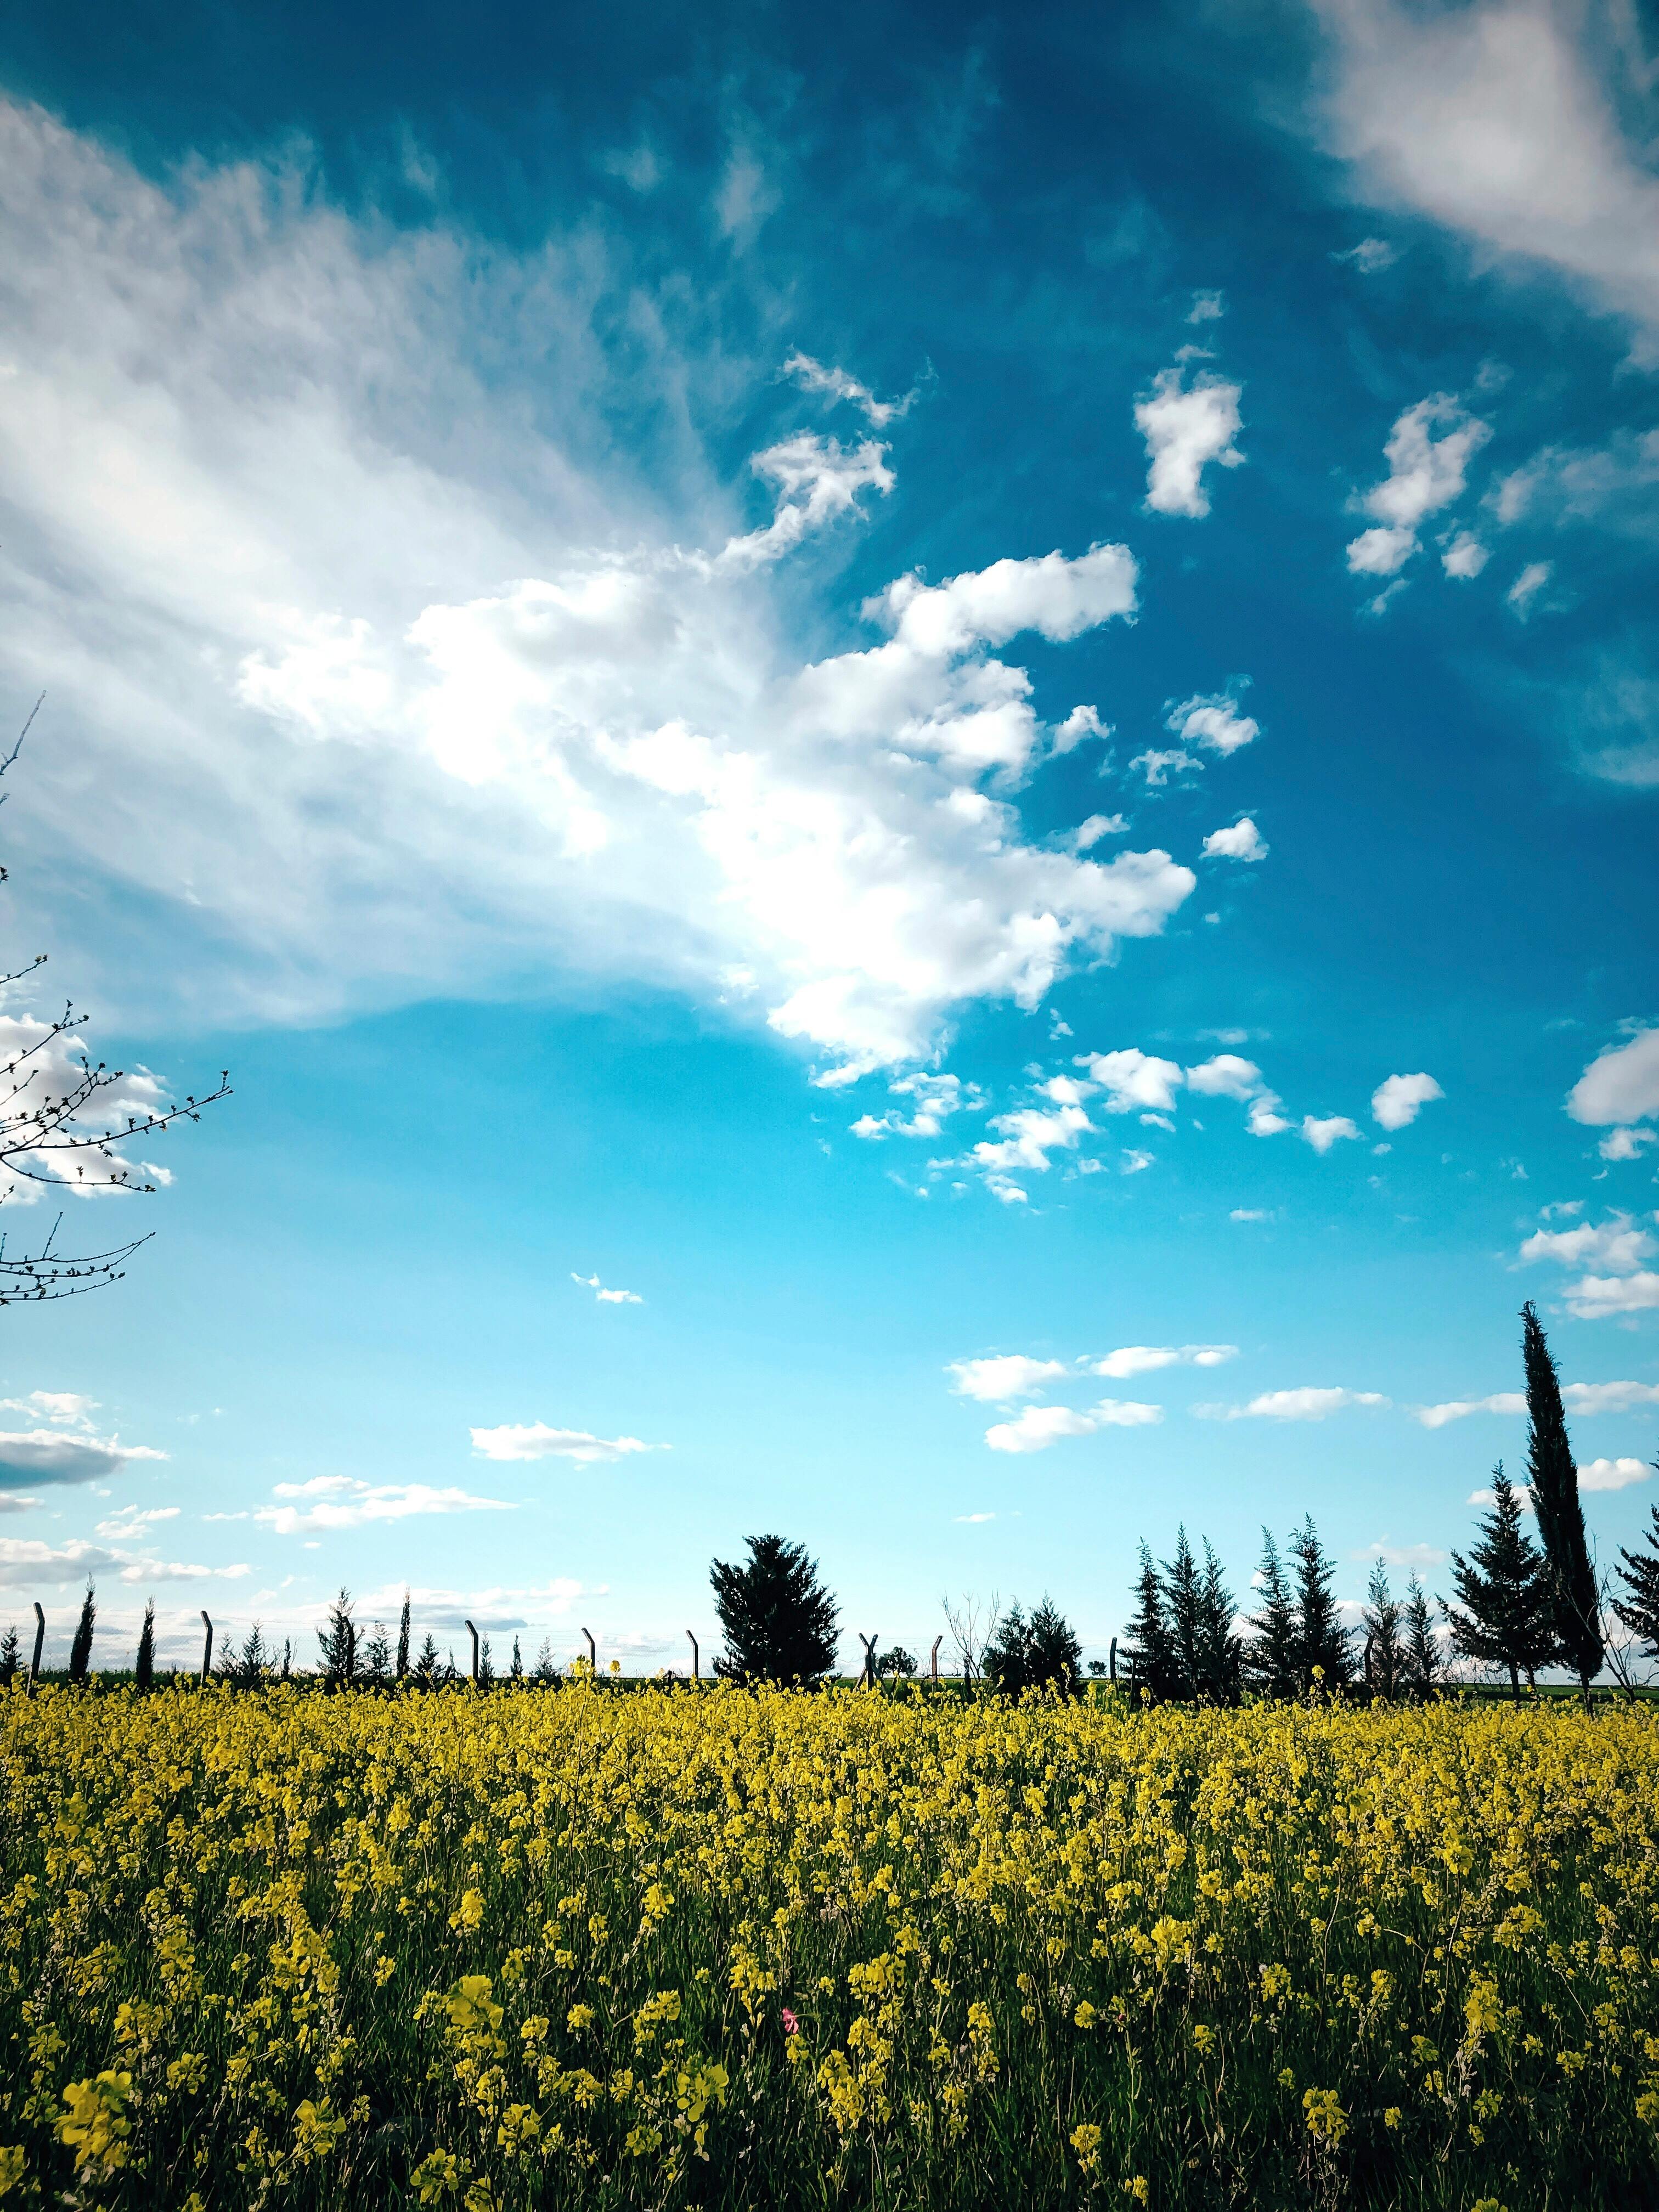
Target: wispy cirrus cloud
[
  {"x": 532, "y": 1440},
  {"x": 328, "y": 1501},
  {"x": 1306, "y": 1403}
]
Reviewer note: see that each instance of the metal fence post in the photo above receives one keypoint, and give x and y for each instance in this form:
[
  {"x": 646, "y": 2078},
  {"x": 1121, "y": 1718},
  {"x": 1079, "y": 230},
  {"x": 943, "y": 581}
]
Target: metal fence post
[
  {"x": 696, "y": 1657},
  {"x": 867, "y": 1680},
  {"x": 592, "y": 1655},
  {"x": 932, "y": 1663},
  {"x": 39, "y": 1640},
  {"x": 1112, "y": 1662},
  {"x": 207, "y": 1649},
  {"x": 473, "y": 1633}
]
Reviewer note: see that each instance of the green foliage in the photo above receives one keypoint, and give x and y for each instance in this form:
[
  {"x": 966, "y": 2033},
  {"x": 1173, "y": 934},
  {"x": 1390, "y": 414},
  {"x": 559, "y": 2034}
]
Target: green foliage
[
  {"x": 1637, "y": 1606},
  {"x": 143, "y": 1671},
  {"x": 1036, "y": 1654},
  {"x": 1385, "y": 1649},
  {"x": 81, "y": 1649},
  {"x": 1324, "y": 1650},
  {"x": 1273, "y": 1658},
  {"x": 779, "y": 1621},
  {"x": 1505, "y": 1614},
  {"x": 337, "y": 1645},
  {"x": 1553, "y": 1473},
  {"x": 11, "y": 1655},
  {"x": 897, "y": 1661}
]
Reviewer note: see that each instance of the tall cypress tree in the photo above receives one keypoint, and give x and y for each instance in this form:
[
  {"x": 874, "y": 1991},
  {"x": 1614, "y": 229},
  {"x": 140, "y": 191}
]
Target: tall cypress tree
[
  {"x": 1220, "y": 1656},
  {"x": 81, "y": 1649},
  {"x": 1183, "y": 1600},
  {"x": 1554, "y": 1474},
  {"x": 1422, "y": 1660},
  {"x": 1639, "y": 1607},
  {"x": 403, "y": 1639},
  {"x": 1385, "y": 1656},
  {"x": 1271, "y": 1658},
  {"x": 1505, "y": 1614},
  {"x": 1322, "y": 1641},
  {"x": 1149, "y": 1653},
  {"x": 143, "y": 1670}
]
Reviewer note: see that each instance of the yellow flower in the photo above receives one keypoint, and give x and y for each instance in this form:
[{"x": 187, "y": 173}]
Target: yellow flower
[
  {"x": 1326, "y": 2120},
  {"x": 579, "y": 2017},
  {"x": 1085, "y": 2016},
  {"x": 93, "y": 2124},
  {"x": 469, "y": 1912}
]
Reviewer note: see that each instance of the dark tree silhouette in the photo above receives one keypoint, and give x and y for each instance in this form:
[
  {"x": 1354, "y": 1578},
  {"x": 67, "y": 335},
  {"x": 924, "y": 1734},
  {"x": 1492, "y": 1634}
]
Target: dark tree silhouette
[
  {"x": 1385, "y": 1651},
  {"x": 59, "y": 1128},
  {"x": 780, "y": 1622},
  {"x": 11, "y": 1656},
  {"x": 1322, "y": 1642},
  {"x": 1423, "y": 1663},
  {"x": 1273, "y": 1656},
  {"x": 248, "y": 1667},
  {"x": 81, "y": 1649},
  {"x": 1183, "y": 1607},
  {"x": 337, "y": 1645},
  {"x": 897, "y": 1661},
  {"x": 1220, "y": 1654},
  {"x": 430, "y": 1665},
  {"x": 143, "y": 1667},
  {"x": 1149, "y": 1655},
  {"x": 516, "y": 1671},
  {"x": 1638, "y": 1605},
  {"x": 403, "y": 1639},
  {"x": 1505, "y": 1612},
  {"x": 1035, "y": 1654},
  {"x": 1553, "y": 1473}
]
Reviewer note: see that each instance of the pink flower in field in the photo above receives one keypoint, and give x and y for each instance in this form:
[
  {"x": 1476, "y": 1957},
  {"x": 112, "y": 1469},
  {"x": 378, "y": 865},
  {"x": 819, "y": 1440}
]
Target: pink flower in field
[{"x": 791, "y": 2025}]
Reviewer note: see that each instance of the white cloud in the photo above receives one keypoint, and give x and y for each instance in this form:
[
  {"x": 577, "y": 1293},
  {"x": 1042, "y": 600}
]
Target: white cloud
[
  {"x": 605, "y": 1298},
  {"x": 1595, "y": 1298},
  {"x": 1371, "y": 255},
  {"x": 1225, "y": 1075},
  {"x": 1131, "y": 1359},
  {"x": 1082, "y": 722},
  {"x": 1029, "y": 1134},
  {"x": 1620, "y": 1085},
  {"x": 588, "y": 747},
  {"x": 341, "y": 1501},
  {"x": 1134, "y": 1081},
  {"x": 1249, "y": 1213},
  {"x": 1459, "y": 1409},
  {"x": 1617, "y": 1244},
  {"x": 1212, "y": 720},
  {"x": 1207, "y": 307},
  {"x": 129, "y": 1522},
  {"x": 933, "y": 1099},
  {"x": 972, "y": 1519},
  {"x": 1464, "y": 556},
  {"x": 1186, "y": 427},
  {"x": 1398, "y": 1099},
  {"x": 1612, "y": 1474},
  {"x": 535, "y": 1440},
  {"x": 1522, "y": 1492},
  {"x": 48, "y": 1456},
  {"x": 1625, "y": 1143},
  {"x": 1323, "y": 1135},
  {"x": 1426, "y": 473},
  {"x": 65, "y": 1408},
  {"x": 49, "y": 1065},
  {"x": 1306, "y": 1404},
  {"x": 1038, "y": 1426},
  {"x": 837, "y": 384},
  {"x": 1087, "y": 833},
  {"x": 1003, "y": 1376},
  {"x": 1609, "y": 1397},
  {"x": 1242, "y": 842},
  {"x": 1501, "y": 121},
  {"x": 27, "y": 1562},
  {"x": 1528, "y": 585},
  {"x": 1417, "y": 1558}
]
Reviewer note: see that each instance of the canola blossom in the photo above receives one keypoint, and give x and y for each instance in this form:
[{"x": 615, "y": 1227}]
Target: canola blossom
[{"x": 589, "y": 1948}]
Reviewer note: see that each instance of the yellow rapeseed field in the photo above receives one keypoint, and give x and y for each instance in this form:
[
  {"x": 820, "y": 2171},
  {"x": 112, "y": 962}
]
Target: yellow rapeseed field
[{"x": 590, "y": 1947}]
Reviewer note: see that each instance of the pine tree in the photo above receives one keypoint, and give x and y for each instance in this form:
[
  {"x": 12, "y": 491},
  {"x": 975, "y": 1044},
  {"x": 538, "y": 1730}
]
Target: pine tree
[
  {"x": 1273, "y": 1654},
  {"x": 1505, "y": 1614},
  {"x": 81, "y": 1649},
  {"x": 1148, "y": 1646},
  {"x": 1322, "y": 1642},
  {"x": 248, "y": 1667},
  {"x": 11, "y": 1656},
  {"x": 1553, "y": 1474},
  {"x": 517, "y": 1669},
  {"x": 1639, "y": 1607},
  {"x": 1221, "y": 1658},
  {"x": 403, "y": 1639},
  {"x": 339, "y": 1644},
  {"x": 546, "y": 1669},
  {"x": 1183, "y": 1600},
  {"x": 1422, "y": 1660},
  {"x": 427, "y": 1666},
  {"x": 287, "y": 1657},
  {"x": 143, "y": 1669},
  {"x": 486, "y": 1666},
  {"x": 780, "y": 1622},
  {"x": 1036, "y": 1654},
  {"x": 1385, "y": 1652},
  {"x": 376, "y": 1661}
]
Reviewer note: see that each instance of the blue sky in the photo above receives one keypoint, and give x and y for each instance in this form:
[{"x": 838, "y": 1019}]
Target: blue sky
[{"x": 970, "y": 703}]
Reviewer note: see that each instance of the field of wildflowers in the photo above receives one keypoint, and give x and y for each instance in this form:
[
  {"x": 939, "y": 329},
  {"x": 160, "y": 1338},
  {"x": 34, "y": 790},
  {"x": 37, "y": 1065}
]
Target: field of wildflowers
[{"x": 585, "y": 1947}]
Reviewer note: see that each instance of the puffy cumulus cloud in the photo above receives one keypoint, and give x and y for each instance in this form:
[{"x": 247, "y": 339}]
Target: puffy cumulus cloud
[
  {"x": 1609, "y": 1397},
  {"x": 65, "y": 1408},
  {"x": 836, "y": 384},
  {"x": 42, "y": 1060},
  {"x": 341, "y": 1501},
  {"x": 1187, "y": 427},
  {"x": 1398, "y": 1099},
  {"x": 1426, "y": 473},
  {"x": 585, "y": 745},
  {"x": 1212, "y": 720},
  {"x": 1146, "y": 1358},
  {"x": 1133, "y": 1080},
  {"x": 36, "y": 1456},
  {"x": 1306, "y": 1404},
  {"x": 1620, "y": 1085},
  {"x": 1619, "y": 1244},
  {"x": 932, "y": 1099},
  {"x": 1004, "y": 1376},
  {"x": 1459, "y": 1409},
  {"x": 1028, "y": 1134},
  {"x": 1502, "y": 121},
  {"x": 1240, "y": 841},
  {"x": 1463, "y": 556},
  {"x": 1597, "y": 1298},
  {"x": 1207, "y": 307},
  {"x": 1612, "y": 1474},
  {"x": 1625, "y": 1143},
  {"x": 535, "y": 1440},
  {"x": 1322, "y": 1134},
  {"x": 27, "y": 1563},
  {"x": 1227, "y": 1075},
  {"x": 607, "y": 1297},
  {"x": 1036, "y": 1427}
]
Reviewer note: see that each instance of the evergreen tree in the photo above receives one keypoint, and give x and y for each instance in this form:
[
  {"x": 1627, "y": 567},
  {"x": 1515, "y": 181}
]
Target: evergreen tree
[
  {"x": 81, "y": 1649},
  {"x": 546, "y": 1671},
  {"x": 1322, "y": 1641},
  {"x": 287, "y": 1657},
  {"x": 1639, "y": 1607},
  {"x": 517, "y": 1668},
  {"x": 779, "y": 1621},
  {"x": 11, "y": 1656},
  {"x": 1036, "y": 1654},
  {"x": 486, "y": 1666},
  {"x": 1149, "y": 1652},
  {"x": 1385, "y": 1649},
  {"x": 248, "y": 1667},
  {"x": 403, "y": 1639},
  {"x": 375, "y": 1665},
  {"x": 428, "y": 1666},
  {"x": 1273, "y": 1654},
  {"x": 1422, "y": 1660},
  {"x": 144, "y": 1670},
  {"x": 1184, "y": 1602},
  {"x": 1220, "y": 1657},
  {"x": 1553, "y": 1474},
  {"x": 339, "y": 1644},
  {"x": 1505, "y": 1614}
]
